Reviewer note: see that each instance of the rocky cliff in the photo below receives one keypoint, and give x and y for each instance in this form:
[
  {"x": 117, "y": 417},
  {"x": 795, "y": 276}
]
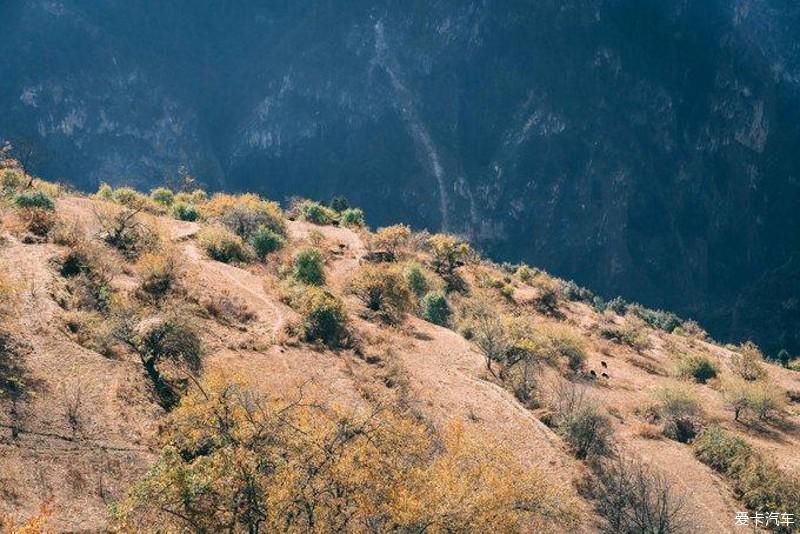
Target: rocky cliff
[{"x": 643, "y": 148}]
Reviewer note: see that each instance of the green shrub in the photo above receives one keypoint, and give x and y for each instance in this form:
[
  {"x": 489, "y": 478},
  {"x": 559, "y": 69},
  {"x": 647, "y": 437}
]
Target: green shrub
[
  {"x": 352, "y": 217},
  {"x": 34, "y": 200},
  {"x": 162, "y": 196},
  {"x": 416, "y": 280},
  {"x": 223, "y": 245},
  {"x": 339, "y": 203},
  {"x": 126, "y": 196},
  {"x": 618, "y": 305},
  {"x": 316, "y": 213},
  {"x": 185, "y": 212},
  {"x": 721, "y": 450},
  {"x": 784, "y": 358},
  {"x": 324, "y": 318},
  {"x": 265, "y": 241},
  {"x": 525, "y": 273},
  {"x": 105, "y": 192},
  {"x": 308, "y": 268},
  {"x": 436, "y": 309},
  {"x": 572, "y": 291},
  {"x": 660, "y": 319},
  {"x": 697, "y": 367}
]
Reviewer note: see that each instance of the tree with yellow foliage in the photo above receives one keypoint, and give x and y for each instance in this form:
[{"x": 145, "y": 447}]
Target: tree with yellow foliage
[{"x": 234, "y": 461}]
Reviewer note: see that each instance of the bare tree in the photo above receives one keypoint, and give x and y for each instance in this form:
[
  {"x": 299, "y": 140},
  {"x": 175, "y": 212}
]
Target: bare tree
[{"x": 634, "y": 498}]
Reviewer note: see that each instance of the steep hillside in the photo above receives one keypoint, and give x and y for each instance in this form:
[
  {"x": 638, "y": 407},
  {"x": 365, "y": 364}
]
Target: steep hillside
[
  {"x": 633, "y": 146},
  {"x": 114, "y": 311}
]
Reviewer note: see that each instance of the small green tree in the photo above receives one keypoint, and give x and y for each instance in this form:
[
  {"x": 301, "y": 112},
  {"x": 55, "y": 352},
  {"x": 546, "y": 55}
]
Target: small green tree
[
  {"x": 324, "y": 318},
  {"x": 162, "y": 196},
  {"x": 352, "y": 217},
  {"x": 185, "y": 212},
  {"x": 436, "y": 309},
  {"x": 416, "y": 279},
  {"x": 308, "y": 268},
  {"x": 265, "y": 241}
]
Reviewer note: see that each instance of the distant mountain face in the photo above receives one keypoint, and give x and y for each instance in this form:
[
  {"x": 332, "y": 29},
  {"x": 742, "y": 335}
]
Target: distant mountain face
[{"x": 644, "y": 148}]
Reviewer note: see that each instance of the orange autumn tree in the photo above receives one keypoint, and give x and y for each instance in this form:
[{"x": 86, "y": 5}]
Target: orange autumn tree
[{"x": 234, "y": 461}]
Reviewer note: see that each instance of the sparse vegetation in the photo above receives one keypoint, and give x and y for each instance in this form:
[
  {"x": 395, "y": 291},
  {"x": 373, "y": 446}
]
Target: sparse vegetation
[
  {"x": 158, "y": 273},
  {"x": 757, "y": 481},
  {"x": 123, "y": 229}
]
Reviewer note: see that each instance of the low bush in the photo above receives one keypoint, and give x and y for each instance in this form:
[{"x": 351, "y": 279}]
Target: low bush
[
  {"x": 697, "y": 367},
  {"x": 392, "y": 239},
  {"x": 416, "y": 279},
  {"x": 158, "y": 273},
  {"x": 746, "y": 361},
  {"x": 125, "y": 230},
  {"x": 264, "y": 241},
  {"x": 572, "y": 291},
  {"x": 163, "y": 196},
  {"x": 244, "y": 214},
  {"x": 352, "y": 217},
  {"x": 448, "y": 253},
  {"x": 677, "y": 411},
  {"x": 382, "y": 288},
  {"x": 308, "y": 266},
  {"x": 11, "y": 180},
  {"x": 618, "y": 305},
  {"x": 324, "y": 318},
  {"x": 578, "y": 420},
  {"x": 316, "y": 213},
  {"x": 436, "y": 309},
  {"x": 525, "y": 273},
  {"x": 753, "y": 399},
  {"x": 185, "y": 212},
  {"x": 634, "y": 498},
  {"x": 34, "y": 200},
  {"x": 223, "y": 245},
  {"x": 659, "y": 319}
]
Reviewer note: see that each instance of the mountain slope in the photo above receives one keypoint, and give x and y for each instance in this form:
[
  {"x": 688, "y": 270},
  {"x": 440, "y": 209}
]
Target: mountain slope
[{"x": 90, "y": 415}]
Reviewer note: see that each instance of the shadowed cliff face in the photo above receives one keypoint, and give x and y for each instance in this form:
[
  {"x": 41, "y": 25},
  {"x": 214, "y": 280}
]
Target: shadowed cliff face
[{"x": 648, "y": 149}]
